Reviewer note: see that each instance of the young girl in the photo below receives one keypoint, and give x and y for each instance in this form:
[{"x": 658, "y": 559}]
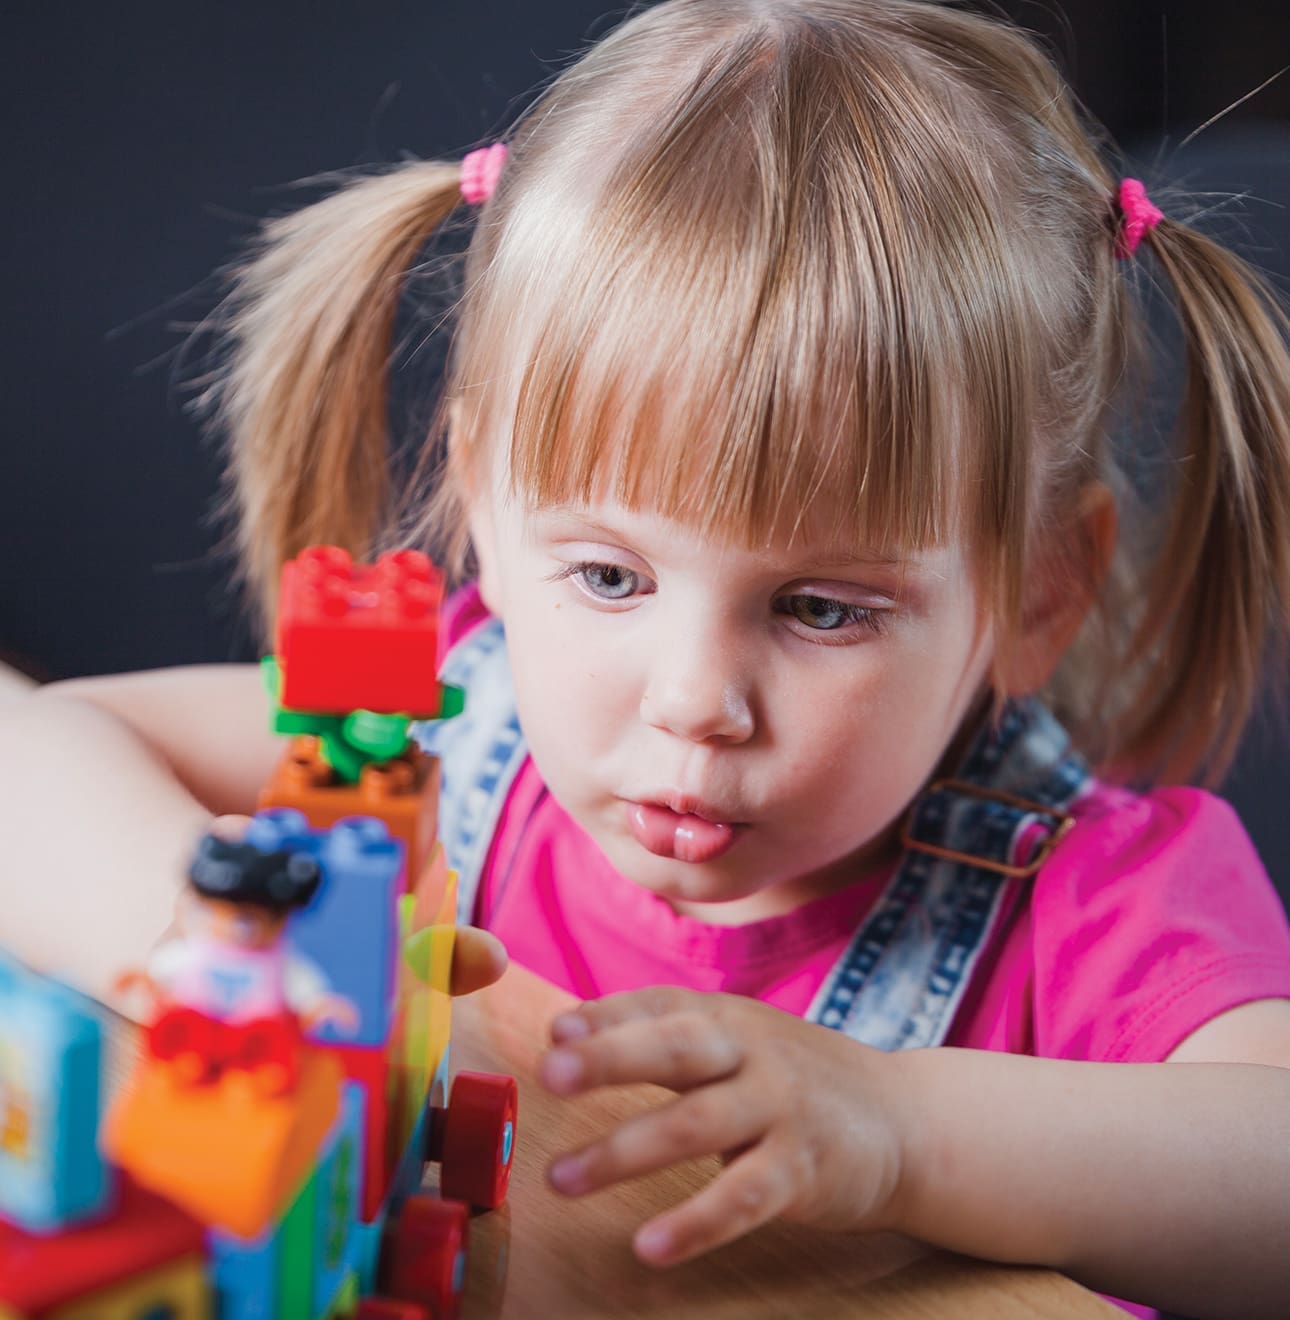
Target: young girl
[{"x": 779, "y": 424}]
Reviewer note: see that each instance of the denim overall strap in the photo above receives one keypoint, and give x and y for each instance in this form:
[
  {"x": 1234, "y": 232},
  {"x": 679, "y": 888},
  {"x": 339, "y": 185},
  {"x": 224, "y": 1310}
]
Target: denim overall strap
[
  {"x": 901, "y": 979},
  {"x": 480, "y": 752}
]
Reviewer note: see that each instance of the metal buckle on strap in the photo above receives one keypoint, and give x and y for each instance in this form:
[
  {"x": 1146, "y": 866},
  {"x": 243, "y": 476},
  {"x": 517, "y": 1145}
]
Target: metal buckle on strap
[{"x": 1063, "y": 821}]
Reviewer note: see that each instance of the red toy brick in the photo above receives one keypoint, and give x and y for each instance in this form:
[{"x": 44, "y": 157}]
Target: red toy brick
[
  {"x": 424, "y": 1255},
  {"x": 479, "y": 1139},
  {"x": 359, "y": 636},
  {"x": 144, "y": 1231},
  {"x": 371, "y": 1067}
]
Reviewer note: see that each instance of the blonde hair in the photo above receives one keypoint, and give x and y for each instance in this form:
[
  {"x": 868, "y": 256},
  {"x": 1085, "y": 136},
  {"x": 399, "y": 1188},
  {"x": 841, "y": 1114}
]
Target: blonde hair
[{"x": 753, "y": 263}]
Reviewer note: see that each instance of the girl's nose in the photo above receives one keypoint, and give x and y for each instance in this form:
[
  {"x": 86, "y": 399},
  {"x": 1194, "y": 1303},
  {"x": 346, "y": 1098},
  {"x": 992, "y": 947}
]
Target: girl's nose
[{"x": 697, "y": 693}]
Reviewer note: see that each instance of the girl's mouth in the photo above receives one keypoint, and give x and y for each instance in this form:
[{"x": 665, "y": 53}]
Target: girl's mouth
[{"x": 679, "y": 835}]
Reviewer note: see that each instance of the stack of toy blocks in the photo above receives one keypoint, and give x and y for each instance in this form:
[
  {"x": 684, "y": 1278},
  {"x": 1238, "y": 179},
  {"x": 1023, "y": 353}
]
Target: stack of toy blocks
[
  {"x": 78, "y": 1239},
  {"x": 298, "y": 1202}
]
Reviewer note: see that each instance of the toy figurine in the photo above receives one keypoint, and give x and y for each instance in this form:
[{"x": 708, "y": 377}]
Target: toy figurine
[{"x": 228, "y": 991}]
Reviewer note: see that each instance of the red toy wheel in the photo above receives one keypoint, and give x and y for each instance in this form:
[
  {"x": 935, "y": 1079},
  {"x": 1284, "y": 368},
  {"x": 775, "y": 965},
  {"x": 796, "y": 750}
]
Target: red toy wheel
[
  {"x": 424, "y": 1256},
  {"x": 479, "y": 1139}
]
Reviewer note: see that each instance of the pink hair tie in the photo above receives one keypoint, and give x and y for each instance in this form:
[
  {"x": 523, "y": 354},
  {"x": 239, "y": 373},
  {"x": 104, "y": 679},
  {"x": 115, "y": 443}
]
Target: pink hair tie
[
  {"x": 480, "y": 171},
  {"x": 1138, "y": 214}
]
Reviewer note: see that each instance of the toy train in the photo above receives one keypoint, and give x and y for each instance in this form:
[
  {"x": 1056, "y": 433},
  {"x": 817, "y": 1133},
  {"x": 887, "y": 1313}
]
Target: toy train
[{"x": 266, "y": 1155}]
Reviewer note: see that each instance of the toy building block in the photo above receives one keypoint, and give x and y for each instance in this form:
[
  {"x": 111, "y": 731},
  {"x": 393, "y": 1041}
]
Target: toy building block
[
  {"x": 295, "y": 1272},
  {"x": 51, "y": 1050},
  {"x": 427, "y": 930},
  {"x": 369, "y": 1236},
  {"x": 357, "y": 636},
  {"x": 245, "y": 1274},
  {"x": 351, "y": 927},
  {"x": 345, "y": 1301},
  {"x": 404, "y": 793},
  {"x": 177, "y": 1291},
  {"x": 228, "y": 1155},
  {"x": 369, "y": 1068},
  {"x": 351, "y": 741},
  {"x": 338, "y": 1196},
  {"x": 142, "y": 1233}
]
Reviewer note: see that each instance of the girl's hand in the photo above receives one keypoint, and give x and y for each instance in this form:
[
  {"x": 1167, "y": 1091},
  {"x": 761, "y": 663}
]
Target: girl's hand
[
  {"x": 808, "y": 1122},
  {"x": 478, "y": 959}
]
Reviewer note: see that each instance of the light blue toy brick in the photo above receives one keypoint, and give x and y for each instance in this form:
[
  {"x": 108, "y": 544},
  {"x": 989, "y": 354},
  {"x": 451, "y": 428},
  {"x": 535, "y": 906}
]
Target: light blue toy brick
[
  {"x": 244, "y": 1274},
  {"x": 367, "y": 1244},
  {"x": 351, "y": 928},
  {"x": 338, "y": 1199},
  {"x": 51, "y": 1063}
]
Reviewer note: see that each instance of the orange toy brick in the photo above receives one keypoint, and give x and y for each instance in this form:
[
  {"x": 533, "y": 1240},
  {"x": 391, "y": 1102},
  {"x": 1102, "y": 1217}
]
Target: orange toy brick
[
  {"x": 359, "y": 636},
  {"x": 229, "y": 1156},
  {"x": 403, "y": 793}
]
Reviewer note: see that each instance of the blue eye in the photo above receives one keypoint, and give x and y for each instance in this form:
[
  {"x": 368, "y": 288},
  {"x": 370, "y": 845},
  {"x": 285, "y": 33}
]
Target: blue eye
[
  {"x": 608, "y": 581},
  {"x": 821, "y": 614}
]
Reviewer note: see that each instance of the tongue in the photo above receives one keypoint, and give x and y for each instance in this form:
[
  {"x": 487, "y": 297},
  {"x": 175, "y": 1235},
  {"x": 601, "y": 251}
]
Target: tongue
[{"x": 667, "y": 833}]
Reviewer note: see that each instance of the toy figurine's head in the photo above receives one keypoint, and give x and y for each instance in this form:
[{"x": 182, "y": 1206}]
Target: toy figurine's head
[{"x": 245, "y": 893}]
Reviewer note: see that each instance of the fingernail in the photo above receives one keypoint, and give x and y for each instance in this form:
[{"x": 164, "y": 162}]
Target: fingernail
[
  {"x": 654, "y": 1242},
  {"x": 569, "y": 1026},
  {"x": 561, "y": 1070},
  {"x": 566, "y": 1174}
]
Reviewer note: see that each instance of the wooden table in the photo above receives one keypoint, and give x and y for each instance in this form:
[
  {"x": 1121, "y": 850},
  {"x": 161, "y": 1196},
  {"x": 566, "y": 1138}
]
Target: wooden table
[{"x": 544, "y": 1255}]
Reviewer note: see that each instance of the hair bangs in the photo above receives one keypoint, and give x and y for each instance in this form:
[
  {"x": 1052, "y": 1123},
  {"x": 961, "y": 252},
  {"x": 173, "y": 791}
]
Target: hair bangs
[{"x": 773, "y": 371}]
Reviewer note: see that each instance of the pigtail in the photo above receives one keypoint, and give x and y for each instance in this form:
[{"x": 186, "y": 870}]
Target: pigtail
[
  {"x": 1218, "y": 593},
  {"x": 302, "y": 399}
]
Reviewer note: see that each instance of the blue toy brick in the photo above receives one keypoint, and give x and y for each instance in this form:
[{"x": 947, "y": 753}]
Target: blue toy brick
[
  {"x": 367, "y": 1252},
  {"x": 338, "y": 1200},
  {"x": 350, "y": 929},
  {"x": 51, "y": 1063},
  {"x": 244, "y": 1274}
]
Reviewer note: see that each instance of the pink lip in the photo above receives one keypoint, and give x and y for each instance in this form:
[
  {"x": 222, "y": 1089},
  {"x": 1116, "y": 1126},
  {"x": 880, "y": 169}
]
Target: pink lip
[{"x": 681, "y": 828}]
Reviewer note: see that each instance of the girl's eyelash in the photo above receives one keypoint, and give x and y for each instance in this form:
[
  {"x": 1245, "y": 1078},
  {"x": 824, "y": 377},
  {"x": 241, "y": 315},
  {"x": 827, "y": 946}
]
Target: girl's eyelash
[
  {"x": 873, "y": 620},
  {"x": 585, "y": 567}
]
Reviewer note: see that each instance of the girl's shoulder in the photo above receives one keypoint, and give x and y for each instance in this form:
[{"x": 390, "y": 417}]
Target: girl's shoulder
[
  {"x": 1118, "y": 832},
  {"x": 1152, "y": 916}
]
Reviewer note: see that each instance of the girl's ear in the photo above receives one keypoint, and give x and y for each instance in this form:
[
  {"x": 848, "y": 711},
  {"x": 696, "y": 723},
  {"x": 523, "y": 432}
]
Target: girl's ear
[{"x": 1059, "y": 594}]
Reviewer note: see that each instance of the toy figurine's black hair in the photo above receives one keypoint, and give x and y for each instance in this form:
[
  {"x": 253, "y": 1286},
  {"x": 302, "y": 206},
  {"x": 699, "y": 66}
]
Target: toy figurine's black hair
[{"x": 239, "y": 872}]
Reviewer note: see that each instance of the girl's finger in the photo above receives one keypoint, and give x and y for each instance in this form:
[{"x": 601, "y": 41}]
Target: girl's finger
[
  {"x": 708, "y": 1121},
  {"x": 754, "y": 1189},
  {"x": 630, "y": 1006},
  {"x": 478, "y": 959},
  {"x": 231, "y": 827},
  {"x": 679, "y": 1051}
]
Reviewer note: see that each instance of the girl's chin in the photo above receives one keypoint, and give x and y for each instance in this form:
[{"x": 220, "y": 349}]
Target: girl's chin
[{"x": 702, "y": 891}]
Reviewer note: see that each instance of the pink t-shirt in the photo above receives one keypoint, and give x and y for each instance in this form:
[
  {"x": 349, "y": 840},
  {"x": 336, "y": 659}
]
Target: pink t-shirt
[{"x": 1150, "y": 918}]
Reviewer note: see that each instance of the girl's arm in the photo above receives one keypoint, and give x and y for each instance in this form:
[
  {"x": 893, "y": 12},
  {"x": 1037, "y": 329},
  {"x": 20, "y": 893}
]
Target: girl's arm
[
  {"x": 105, "y": 785},
  {"x": 1162, "y": 1183}
]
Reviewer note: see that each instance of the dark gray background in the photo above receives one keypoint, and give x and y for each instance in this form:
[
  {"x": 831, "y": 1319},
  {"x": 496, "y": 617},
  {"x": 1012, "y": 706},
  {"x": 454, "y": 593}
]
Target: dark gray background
[{"x": 144, "y": 139}]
